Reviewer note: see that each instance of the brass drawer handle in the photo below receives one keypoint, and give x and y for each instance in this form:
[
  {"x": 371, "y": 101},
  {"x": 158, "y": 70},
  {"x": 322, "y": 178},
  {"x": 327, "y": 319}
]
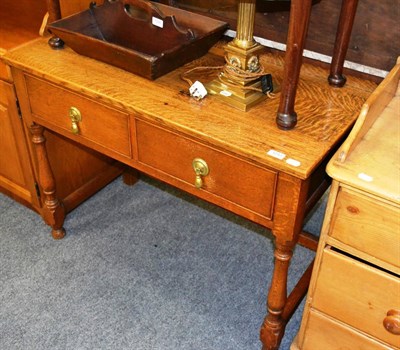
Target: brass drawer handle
[
  {"x": 200, "y": 168},
  {"x": 392, "y": 322},
  {"x": 75, "y": 116}
]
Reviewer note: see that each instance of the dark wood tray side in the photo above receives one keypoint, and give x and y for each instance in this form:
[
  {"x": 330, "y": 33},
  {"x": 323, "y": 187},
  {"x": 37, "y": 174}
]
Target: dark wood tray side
[{"x": 110, "y": 34}]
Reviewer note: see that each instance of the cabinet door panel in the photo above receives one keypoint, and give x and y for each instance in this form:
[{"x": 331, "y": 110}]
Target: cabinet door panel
[{"x": 15, "y": 167}]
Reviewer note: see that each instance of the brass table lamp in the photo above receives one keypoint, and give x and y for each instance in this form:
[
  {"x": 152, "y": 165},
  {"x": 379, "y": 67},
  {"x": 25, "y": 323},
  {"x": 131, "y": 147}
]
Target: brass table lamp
[
  {"x": 239, "y": 85},
  {"x": 234, "y": 86}
]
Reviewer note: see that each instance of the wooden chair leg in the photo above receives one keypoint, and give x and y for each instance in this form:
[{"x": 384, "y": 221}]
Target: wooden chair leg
[
  {"x": 298, "y": 25},
  {"x": 54, "y": 11},
  {"x": 53, "y": 7},
  {"x": 346, "y": 20}
]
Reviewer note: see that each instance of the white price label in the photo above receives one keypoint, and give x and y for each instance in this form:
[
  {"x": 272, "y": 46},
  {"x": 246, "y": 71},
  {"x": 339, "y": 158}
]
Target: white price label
[
  {"x": 276, "y": 154},
  {"x": 293, "y": 162},
  {"x": 365, "y": 177},
  {"x": 157, "y": 22},
  {"x": 225, "y": 93}
]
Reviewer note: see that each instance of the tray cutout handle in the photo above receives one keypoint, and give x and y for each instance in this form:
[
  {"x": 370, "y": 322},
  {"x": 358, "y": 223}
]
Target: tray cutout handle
[{"x": 148, "y": 11}]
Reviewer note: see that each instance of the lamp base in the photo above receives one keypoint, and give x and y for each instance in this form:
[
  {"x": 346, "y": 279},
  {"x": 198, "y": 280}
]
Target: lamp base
[
  {"x": 237, "y": 97},
  {"x": 244, "y": 56}
]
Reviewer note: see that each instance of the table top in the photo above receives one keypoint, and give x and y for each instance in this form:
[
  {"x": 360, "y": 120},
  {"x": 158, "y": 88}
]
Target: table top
[{"x": 325, "y": 114}]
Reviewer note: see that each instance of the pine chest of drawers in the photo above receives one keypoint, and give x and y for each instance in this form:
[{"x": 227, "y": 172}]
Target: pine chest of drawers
[{"x": 354, "y": 296}]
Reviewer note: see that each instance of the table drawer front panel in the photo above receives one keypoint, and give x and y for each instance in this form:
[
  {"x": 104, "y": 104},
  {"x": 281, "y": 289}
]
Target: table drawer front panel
[
  {"x": 367, "y": 225},
  {"x": 230, "y": 178},
  {"x": 100, "y": 124},
  {"x": 357, "y": 294},
  {"x": 325, "y": 333}
]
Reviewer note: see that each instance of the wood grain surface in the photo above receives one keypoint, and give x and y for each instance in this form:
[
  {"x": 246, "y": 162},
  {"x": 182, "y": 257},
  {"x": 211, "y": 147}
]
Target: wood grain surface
[{"x": 325, "y": 113}]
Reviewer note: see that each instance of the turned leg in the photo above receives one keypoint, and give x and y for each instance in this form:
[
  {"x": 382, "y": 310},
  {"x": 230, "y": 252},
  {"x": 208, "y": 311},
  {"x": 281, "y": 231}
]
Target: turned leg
[
  {"x": 289, "y": 213},
  {"x": 53, "y": 212},
  {"x": 346, "y": 20},
  {"x": 53, "y": 7},
  {"x": 274, "y": 325},
  {"x": 286, "y": 118}
]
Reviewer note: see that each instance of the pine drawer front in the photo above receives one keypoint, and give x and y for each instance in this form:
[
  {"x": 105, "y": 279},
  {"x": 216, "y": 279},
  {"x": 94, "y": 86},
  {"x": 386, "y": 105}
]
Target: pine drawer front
[
  {"x": 324, "y": 333},
  {"x": 100, "y": 124},
  {"x": 236, "y": 181},
  {"x": 357, "y": 294},
  {"x": 368, "y": 225}
]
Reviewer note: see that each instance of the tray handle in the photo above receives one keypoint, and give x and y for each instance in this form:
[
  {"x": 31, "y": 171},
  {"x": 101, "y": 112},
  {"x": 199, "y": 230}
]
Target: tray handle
[
  {"x": 144, "y": 5},
  {"x": 152, "y": 11}
]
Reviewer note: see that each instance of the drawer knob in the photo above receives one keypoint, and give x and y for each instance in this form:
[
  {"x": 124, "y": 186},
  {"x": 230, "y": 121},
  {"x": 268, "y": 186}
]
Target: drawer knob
[
  {"x": 200, "y": 168},
  {"x": 75, "y": 116},
  {"x": 392, "y": 322}
]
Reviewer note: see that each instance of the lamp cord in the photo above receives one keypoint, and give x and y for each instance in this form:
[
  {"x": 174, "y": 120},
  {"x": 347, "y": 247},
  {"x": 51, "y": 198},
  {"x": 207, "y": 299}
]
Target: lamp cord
[{"x": 232, "y": 76}]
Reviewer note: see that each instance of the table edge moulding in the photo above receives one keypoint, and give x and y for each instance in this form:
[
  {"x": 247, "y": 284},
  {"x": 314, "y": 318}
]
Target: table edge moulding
[
  {"x": 238, "y": 160},
  {"x": 355, "y": 286}
]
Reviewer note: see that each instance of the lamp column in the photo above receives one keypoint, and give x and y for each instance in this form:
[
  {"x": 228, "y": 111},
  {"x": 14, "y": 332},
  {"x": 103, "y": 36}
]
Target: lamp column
[{"x": 236, "y": 86}]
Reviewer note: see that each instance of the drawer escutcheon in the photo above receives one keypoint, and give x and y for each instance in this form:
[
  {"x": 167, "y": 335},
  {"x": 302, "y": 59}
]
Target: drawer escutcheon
[
  {"x": 200, "y": 168},
  {"x": 75, "y": 116}
]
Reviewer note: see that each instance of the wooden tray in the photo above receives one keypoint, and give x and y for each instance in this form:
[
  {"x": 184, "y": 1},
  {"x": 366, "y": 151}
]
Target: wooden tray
[{"x": 139, "y": 36}]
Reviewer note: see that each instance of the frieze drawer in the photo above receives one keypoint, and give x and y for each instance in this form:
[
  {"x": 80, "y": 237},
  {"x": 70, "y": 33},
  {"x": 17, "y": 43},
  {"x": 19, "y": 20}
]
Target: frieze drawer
[
  {"x": 325, "y": 333},
  {"x": 237, "y": 182},
  {"x": 367, "y": 225},
  {"x": 378, "y": 293},
  {"x": 80, "y": 116}
]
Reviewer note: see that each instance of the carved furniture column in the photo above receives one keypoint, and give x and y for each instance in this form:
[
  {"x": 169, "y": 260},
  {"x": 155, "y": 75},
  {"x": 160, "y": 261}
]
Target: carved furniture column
[
  {"x": 53, "y": 211},
  {"x": 290, "y": 209}
]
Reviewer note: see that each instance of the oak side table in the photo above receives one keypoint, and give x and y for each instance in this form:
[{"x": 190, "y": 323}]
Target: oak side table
[{"x": 238, "y": 160}]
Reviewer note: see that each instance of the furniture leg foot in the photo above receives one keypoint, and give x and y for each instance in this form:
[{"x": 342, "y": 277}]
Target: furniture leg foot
[
  {"x": 58, "y": 234},
  {"x": 274, "y": 325},
  {"x": 130, "y": 176},
  {"x": 272, "y": 333},
  {"x": 54, "y": 214},
  {"x": 56, "y": 43},
  {"x": 337, "y": 80},
  {"x": 286, "y": 121},
  {"x": 345, "y": 25}
]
